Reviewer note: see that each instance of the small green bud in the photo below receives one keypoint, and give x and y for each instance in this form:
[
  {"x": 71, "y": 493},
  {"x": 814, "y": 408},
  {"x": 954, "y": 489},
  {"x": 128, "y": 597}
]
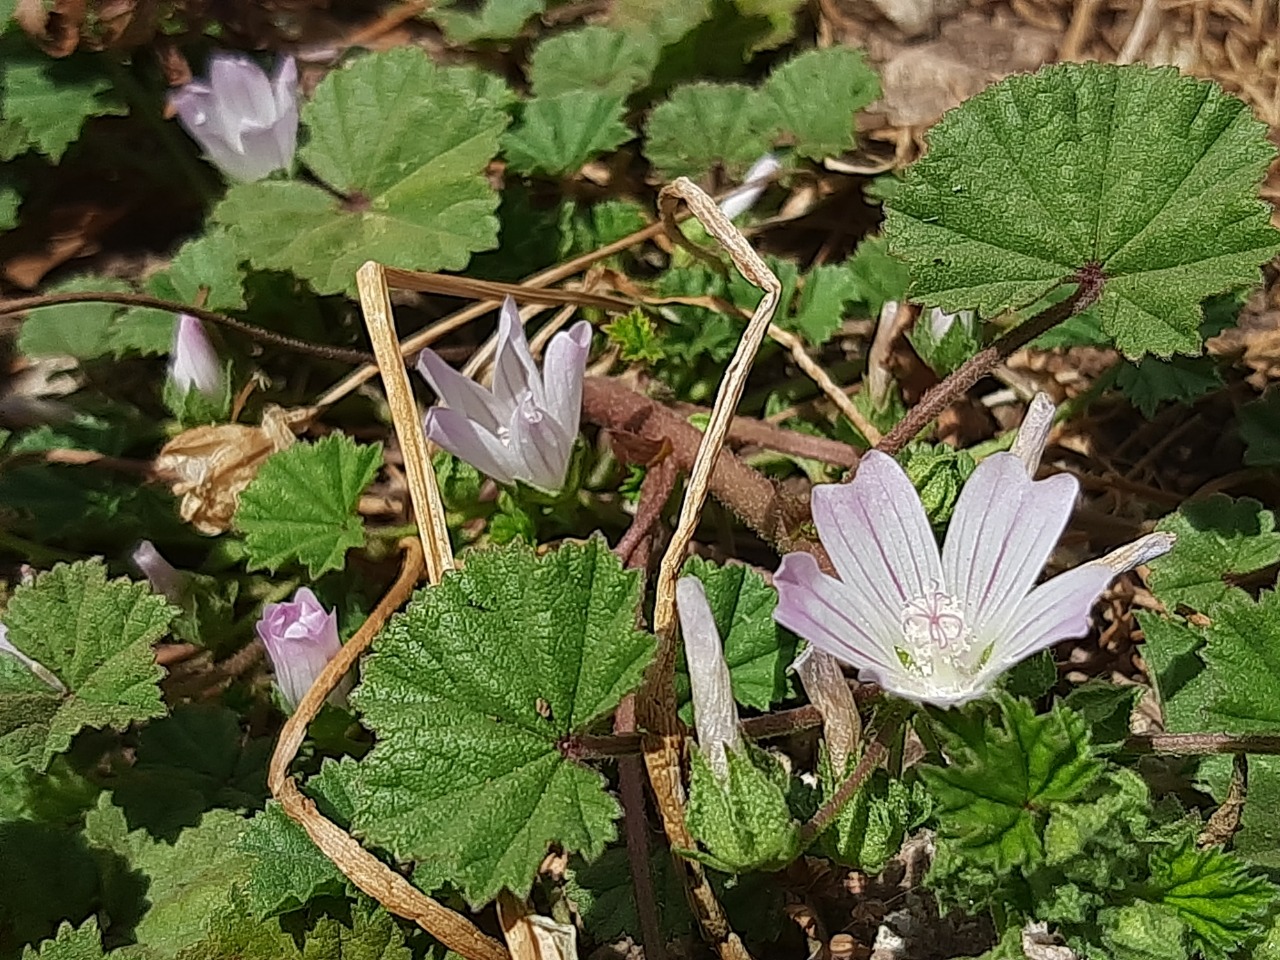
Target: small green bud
[{"x": 743, "y": 821}]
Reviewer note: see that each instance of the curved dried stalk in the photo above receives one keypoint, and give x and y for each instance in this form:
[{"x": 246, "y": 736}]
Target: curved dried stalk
[
  {"x": 656, "y": 701},
  {"x": 360, "y": 866}
]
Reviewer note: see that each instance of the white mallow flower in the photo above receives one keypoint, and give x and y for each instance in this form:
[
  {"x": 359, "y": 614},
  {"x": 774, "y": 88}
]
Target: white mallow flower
[
  {"x": 715, "y": 714},
  {"x": 246, "y": 122},
  {"x": 939, "y": 627},
  {"x": 525, "y": 427}
]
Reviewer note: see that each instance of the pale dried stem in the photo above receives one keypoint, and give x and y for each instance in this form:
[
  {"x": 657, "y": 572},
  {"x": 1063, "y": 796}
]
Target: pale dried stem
[
  {"x": 657, "y": 697},
  {"x": 361, "y": 867},
  {"x": 828, "y": 386},
  {"x": 375, "y": 302},
  {"x": 431, "y": 334}
]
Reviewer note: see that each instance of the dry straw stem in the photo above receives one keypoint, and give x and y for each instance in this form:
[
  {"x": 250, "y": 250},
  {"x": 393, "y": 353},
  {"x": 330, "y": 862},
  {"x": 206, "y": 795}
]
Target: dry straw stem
[
  {"x": 375, "y": 301},
  {"x": 360, "y": 866},
  {"x": 656, "y": 700}
]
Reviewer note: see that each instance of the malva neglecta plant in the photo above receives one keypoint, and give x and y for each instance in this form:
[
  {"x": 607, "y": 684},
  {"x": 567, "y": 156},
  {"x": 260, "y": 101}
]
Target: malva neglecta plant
[{"x": 719, "y": 628}]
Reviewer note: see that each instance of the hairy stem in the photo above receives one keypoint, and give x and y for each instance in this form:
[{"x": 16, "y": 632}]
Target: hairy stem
[{"x": 1089, "y": 287}]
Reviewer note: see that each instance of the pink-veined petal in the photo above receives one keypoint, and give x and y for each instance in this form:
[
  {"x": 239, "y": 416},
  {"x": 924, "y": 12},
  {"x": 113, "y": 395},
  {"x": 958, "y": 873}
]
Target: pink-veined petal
[
  {"x": 1003, "y": 529},
  {"x": 453, "y": 431},
  {"x": 829, "y": 615},
  {"x": 562, "y": 370},
  {"x": 514, "y": 371},
  {"x": 1056, "y": 610},
  {"x": 284, "y": 86},
  {"x": 462, "y": 393},
  {"x": 876, "y": 532},
  {"x": 539, "y": 446}
]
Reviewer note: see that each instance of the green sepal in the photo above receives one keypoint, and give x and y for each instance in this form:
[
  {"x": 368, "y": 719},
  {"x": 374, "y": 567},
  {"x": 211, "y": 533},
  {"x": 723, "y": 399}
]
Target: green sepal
[{"x": 744, "y": 823}]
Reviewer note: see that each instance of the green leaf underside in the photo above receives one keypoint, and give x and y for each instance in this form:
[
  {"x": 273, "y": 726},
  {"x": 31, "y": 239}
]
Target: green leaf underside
[
  {"x": 302, "y": 504},
  {"x": 470, "y": 691},
  {"x": 1149, "y": 175},
  {"x": 407, "y": 143},
  {"x": 1003, "y": 782},
  {"x": 1217, "y": 537},
  {"x": 96, "y": 637},
  {"x": 558, "y": 134}
]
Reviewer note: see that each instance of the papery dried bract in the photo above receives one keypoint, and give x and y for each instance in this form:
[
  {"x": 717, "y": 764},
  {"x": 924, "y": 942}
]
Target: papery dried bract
[
  {"x": 525, "y": 427},
  {"x": 301, "y": 637},
  {"x": 940, "y": 627},
  {"x": 246, "y": 122},
  {"x": 210, "y": 466}
]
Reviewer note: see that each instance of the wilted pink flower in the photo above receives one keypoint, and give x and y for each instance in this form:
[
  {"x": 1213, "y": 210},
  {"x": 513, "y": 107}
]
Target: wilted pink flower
[
  {"x": 715, "y": 714},
  {"x": 525, "y": 427},
  {"x": 246, "y": 122},
  {"x": 301, "y": 638},
  {"x": 193, "y": 363},
  {"x": 753, "y": 186},
  {"x": 934, "y": 627},
  {"x": 164, "y": 578},
  {"x": 46, "y": 675}
]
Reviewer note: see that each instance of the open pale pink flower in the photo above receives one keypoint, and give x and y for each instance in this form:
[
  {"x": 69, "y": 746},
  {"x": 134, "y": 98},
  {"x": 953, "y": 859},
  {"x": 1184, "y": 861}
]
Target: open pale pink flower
[
  {"x": 301, "y": 637},
  {"x": 193, "y": 362},
  {"x": 753, "y": 186},
  {"x": 246, "y": 122},
  {"x": 525, "y": 427},
  {"x": 940, "y": 627},
  {"x": 715, "y": 714}
]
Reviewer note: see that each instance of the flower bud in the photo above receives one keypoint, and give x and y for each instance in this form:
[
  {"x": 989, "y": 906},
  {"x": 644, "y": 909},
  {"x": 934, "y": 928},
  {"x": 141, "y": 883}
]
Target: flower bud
[
  {"x": 301, "y": 638},
  {"x": 715, "y": 714},
  {"x": 753, "y": 186},
  {"x": 164, "y": 578},
  {"x": 193, "y": 362},
  {"x": 246, "y": 122}
]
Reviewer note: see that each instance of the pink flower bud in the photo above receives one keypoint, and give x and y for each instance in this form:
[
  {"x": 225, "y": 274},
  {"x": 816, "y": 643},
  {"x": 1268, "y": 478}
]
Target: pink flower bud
[
  {"x": 715, "y": 714},
  {"x": 301, "y": 638},
  {"x": 193, "y": 363},
  {"x": 164, "y": 578},
  {"x": 246, "y": 122}
]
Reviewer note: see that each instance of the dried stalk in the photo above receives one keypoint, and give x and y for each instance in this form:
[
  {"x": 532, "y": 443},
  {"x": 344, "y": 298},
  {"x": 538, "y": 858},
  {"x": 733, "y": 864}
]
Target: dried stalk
[{"x": 361, "y": 867}]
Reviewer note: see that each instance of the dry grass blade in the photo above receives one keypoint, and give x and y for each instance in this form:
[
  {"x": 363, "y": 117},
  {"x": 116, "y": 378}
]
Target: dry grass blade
[
  {"x": 364, "y": 869},
  {"x": 656, "y": 700}
]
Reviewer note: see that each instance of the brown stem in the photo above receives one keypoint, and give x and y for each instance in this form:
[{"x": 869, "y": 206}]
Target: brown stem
[
  {"x": 655, "y": 491},
  {"x": 1089, "y": 282},
  {"x": 748, "y": 430},
  {"x": 341, "y": 354},
  {"x": 888, "y": 726},
  {"x": 631, "y": 779},
  {"x": 1190, "y": 744}
]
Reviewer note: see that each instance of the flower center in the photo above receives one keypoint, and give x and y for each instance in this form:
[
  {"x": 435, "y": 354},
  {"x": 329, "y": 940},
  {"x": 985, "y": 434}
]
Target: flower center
[{"x": 935, "y": 638}]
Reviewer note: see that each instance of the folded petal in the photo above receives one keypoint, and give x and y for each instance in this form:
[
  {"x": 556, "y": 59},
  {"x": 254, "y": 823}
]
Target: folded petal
[
  {"x": 715, "y": 714},
  {"x": 284, "y": 86},
  {"x": 753, "y": 186},
  {"x": 1028, "y": 445},
  {"x": 1004, "y": 527},
  {"x": 455, "y": 432},
  {"x": 562, "y": 371},
  {"x": 1056, "y": 610},
  {"x": 878, "y": 537},
  {"x": 514, "y": 372},
  {"x": 462, "y": 393},
  {"x": 539, "y": 446},
  {"x": 832, "y": 617},
  {"x": 242, "y": 92}
]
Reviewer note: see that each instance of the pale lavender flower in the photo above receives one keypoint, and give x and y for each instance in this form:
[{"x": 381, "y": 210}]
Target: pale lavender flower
[
  {"x": 753, "y": 186},
  {"x": 940, "y": 627},
  {"x": 46, "y": 675},
  {"x": 164, "y": 578},
  {"x": 301, "y": 638},
  {"x": 525, "y": 427},
  {"x": 193, "y": 362},
  {"x": 246, "y": 122},
  {"x": 715, "y": 714}
]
